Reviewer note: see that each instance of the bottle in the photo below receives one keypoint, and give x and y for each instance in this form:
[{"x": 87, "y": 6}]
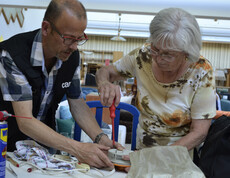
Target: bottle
[{"x": 3, "y": 147}]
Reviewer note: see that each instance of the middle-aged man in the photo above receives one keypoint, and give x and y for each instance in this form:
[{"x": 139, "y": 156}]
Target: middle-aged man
[{"x": 36, "y": 69}]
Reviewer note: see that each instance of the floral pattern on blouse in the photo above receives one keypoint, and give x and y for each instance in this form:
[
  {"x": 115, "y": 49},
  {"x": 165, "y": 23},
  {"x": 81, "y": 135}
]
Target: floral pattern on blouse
[{"x": 166, "y": 110}]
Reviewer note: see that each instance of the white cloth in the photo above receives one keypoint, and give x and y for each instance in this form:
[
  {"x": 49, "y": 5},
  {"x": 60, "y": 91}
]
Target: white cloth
[{"x": 34, "y": 153}]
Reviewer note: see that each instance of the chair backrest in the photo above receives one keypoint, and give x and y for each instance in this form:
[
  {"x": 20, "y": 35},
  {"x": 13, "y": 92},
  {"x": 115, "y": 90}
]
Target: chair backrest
[
  {"x": 99, "y": 109},
  {"x": 90, "y": 80}
]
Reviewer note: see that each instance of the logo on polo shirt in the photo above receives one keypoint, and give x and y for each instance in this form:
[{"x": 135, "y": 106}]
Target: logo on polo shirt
[{"x": 65, "y": 84}]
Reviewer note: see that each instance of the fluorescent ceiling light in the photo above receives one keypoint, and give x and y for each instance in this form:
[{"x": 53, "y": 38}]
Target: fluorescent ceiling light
[
  {"x": 88, "y": 52},
  {"x": 118, "y": 37}
]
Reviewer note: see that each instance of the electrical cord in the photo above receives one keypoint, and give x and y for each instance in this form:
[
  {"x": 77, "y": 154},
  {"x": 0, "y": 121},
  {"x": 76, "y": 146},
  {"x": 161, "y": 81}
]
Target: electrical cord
[{"x": 52, "y": 171}]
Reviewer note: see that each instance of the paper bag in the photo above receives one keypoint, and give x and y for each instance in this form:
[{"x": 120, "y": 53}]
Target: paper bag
[{"x": 163, "y": 162}]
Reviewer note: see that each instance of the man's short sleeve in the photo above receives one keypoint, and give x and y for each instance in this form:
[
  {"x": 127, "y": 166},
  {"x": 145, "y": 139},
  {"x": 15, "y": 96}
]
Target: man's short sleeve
[{"x": 13, "y": 83}]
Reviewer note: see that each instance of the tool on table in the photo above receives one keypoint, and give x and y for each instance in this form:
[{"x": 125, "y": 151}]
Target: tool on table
[
  {"x": 30, "y": 169},
  {"x": 112, "y": 110},
  {"x": 15, "y": 163},
  {"x": 82, "y": 167}
]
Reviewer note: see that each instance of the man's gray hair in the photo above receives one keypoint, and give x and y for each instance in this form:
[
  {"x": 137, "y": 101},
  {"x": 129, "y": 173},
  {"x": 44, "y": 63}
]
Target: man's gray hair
[{"x": 176, "y": 29}]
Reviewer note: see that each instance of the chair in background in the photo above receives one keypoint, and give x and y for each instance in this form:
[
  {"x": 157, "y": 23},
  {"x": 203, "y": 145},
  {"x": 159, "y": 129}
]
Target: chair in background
[
  {"x": 225, "y": 104},
  {"x": 90, "y": 80},
  {"x": 223, "y": 107},
  {"x": 99, "y": 109}
]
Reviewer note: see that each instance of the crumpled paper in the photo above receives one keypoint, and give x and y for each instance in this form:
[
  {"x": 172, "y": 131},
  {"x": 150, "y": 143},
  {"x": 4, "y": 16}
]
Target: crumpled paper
[{"x": 163, "y": 162}]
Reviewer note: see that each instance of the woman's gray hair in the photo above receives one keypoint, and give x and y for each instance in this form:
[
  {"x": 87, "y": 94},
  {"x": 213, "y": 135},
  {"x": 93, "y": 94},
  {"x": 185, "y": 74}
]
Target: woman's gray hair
[{"x": 176, "y": 29}]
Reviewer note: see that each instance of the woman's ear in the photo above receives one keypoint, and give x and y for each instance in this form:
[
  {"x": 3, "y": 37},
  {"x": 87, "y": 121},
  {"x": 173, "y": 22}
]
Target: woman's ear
[
  {"x": 152, "y": 45},
  {"x": 186, "y": 56}
]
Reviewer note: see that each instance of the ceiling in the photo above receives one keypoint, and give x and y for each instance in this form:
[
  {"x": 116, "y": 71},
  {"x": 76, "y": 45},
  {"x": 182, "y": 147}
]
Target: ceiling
[{"x": 212, "y": 16}]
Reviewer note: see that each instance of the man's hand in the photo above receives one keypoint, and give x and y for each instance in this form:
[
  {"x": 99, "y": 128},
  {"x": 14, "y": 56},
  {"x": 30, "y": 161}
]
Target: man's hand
[
  {"x": 93, "y": 154},
  {"x": 108, "y": 92}
]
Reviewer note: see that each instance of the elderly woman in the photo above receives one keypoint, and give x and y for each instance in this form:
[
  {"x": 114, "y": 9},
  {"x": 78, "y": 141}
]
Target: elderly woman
[{"x": 176, "y": 87}]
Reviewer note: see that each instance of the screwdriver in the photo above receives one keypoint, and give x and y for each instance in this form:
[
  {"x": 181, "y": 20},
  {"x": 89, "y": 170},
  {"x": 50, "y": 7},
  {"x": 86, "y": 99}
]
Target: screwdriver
[{"x": 112, "y": 110}]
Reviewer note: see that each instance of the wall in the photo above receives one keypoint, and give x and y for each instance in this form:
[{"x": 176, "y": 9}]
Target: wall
[
  {"x": 102, "y": 43},
  {"x": 32, "y": 21},
  {"x": 218, "y": 54}
]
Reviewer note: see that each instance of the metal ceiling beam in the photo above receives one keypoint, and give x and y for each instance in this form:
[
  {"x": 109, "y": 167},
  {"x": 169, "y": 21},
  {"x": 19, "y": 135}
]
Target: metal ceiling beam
[{"x": 202, "y": 9}]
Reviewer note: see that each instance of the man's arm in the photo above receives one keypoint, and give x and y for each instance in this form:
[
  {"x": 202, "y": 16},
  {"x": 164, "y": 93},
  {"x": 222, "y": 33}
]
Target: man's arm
[
  {"x": 84, "y": 117},
  {"x": 89, "y": 153},
  {"x": 86, "y": 120},
  {"x": 107, "y": 90}
]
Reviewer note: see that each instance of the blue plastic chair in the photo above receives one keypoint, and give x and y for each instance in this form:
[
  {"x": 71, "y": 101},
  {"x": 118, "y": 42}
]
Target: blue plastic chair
[{"x": 99, "y": 109}]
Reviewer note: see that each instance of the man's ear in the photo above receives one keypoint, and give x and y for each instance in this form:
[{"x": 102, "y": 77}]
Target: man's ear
[{"x": 46, "y": 28}]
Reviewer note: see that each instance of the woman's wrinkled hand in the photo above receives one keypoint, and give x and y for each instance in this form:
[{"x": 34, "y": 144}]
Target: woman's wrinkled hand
[
  {"x": 108, "y": 142},
  {"x": 108, "y": 92}
]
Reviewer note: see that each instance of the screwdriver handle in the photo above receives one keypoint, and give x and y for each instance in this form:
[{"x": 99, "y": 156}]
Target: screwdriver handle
[{"x": 112, "y": 110}]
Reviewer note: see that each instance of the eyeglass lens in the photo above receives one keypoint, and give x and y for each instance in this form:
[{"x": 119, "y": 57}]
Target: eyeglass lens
[
  {"x": 69, "y": 41},
  {"x": 165, "y": 57}
]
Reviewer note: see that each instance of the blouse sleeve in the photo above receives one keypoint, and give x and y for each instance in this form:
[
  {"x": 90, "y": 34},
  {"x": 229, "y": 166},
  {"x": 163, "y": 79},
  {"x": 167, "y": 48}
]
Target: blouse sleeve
[
  {"x": 126, "y": 65},
  {"x": 204, "y": 101}
]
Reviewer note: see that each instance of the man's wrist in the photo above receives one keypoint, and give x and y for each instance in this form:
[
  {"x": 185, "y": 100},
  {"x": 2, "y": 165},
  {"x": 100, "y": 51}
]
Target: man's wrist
[{"x": 98, "y": 137}]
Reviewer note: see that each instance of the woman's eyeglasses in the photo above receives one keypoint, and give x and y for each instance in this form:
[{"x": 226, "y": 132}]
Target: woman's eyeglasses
[
  {"x": 69, "y": 40},
  {"x": 166, "y": 57}
]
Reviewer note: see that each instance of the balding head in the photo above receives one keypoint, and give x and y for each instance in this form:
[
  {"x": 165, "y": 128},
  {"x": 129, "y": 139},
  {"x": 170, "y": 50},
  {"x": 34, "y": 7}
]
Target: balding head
[{"x": 56, "y": 7}]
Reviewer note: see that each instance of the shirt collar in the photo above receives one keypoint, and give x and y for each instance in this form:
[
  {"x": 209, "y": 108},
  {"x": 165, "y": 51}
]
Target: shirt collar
[{"x": 37, "y": 56}]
